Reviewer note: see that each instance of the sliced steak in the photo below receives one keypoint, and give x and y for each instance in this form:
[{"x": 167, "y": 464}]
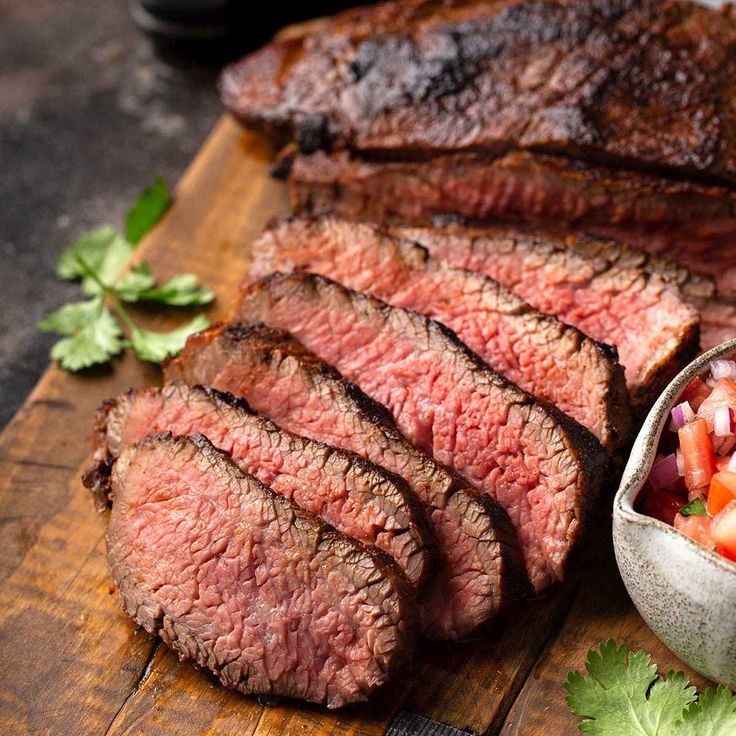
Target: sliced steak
[
  {"x": 602, "y": 113},
  {"x": 541, "y": 467},
  {"x": 717, "y": 312},
  {"x": 718, "y": 320},
  {"x": 538, "y": 352},
  {"x": 654, "y": 330},
  {"x": 643, "y": 84},
  {"x": 692, "y": 222},
  {"x": 355, "y": 496},
  {"x": 477, "y": 571},
  {"x": 246, "y": 584}
]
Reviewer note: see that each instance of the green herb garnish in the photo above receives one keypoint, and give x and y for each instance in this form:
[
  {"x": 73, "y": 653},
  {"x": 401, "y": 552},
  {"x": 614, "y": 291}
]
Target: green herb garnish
[
  {"x": 623, "y": 695},
  {"x": 694, "y": 508},
  {"x": 148, "y": 209},
  {"x": 95, "y": 330}
]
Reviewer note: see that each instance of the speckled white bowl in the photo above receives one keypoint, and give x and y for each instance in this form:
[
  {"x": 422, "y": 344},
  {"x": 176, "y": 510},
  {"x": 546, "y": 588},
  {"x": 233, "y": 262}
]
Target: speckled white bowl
[{"x": 685, "y": 592}]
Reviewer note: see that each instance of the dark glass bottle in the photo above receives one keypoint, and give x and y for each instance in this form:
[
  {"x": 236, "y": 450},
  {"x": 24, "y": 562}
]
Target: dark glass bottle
[{"x": 224, "y": 25}]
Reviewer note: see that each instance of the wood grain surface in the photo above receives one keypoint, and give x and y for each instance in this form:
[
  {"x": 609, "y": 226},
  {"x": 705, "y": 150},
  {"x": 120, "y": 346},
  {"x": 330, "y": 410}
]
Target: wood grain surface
[{"x": 72, "y": 663}]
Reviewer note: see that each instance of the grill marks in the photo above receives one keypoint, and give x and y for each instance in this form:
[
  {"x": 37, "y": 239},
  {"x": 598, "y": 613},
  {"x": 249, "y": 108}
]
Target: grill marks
[
  {"x": 355, "y": 496},
  {"x": 543, "y": 469},
  {"x": 477, "y": 571},
  {"x": 542, "y": 355},
  {"x": 246, "y": 584},
  {"x": 586, "y": 284}
]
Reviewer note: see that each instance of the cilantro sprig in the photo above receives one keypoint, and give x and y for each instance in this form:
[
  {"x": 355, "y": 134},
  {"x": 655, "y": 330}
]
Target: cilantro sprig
[
  {"x": 99, "y": 328},
  {"x": 623, "y": 695}
]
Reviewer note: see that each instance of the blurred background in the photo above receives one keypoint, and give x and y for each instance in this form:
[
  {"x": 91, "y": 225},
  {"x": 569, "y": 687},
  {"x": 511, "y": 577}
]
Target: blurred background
[{"x": 95, "y": 99}]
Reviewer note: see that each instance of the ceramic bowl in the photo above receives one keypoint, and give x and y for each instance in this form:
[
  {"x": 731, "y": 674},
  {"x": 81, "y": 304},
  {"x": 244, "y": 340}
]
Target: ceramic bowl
[{"x": 685, "y": 592}]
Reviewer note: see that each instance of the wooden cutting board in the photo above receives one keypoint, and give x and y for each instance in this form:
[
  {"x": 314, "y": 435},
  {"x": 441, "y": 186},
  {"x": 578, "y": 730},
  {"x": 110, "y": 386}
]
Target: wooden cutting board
[{"x": 72, "y": 663}]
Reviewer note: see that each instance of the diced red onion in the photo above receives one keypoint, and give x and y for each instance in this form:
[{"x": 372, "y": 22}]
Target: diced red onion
[
  {"x": 664, "y": 473},
  {"x": 723, "y": 422},
  {"x": 682, "y": 414},
  {"x": 724, "y": 445},
  {"x": 732, "y": 463},
  {"x": 680, "y": 460},
  {"x": 723, "y": 369}
]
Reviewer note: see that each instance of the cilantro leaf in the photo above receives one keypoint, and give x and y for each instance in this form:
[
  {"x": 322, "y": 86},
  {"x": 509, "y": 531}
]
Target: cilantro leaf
[
  {"x": 713, "y": 715},
  {"x": 157, "y": 346},
  {"x": 91, "y": 246},
  {"x": 103, "y": 252},
  {"x": 694, "y": 508},
  {"x": 93, "y": 334},
  {"x": 137, "y": 281},
  {"x": 623, "y": 696},
  {"x": 179, "y": 291},
  {"x": 118, "y": 253},
  {"x": 150, "y": 206},
  {"x": 71, "y": 317},
  {"x": 667, "y": 699}
]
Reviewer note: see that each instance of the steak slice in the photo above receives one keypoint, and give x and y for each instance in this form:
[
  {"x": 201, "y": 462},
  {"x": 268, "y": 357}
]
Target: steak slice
[
  {"x": 641, "y": 84},
  {"x": 717, "y": 312},
  {"x": 353, "y": 495},
  {"x": 718, "y": 320},
  {"x": 246, "y": 584},
  {"x": 540, "y": 466},
  {"x": 692, "y": 222},
  {"x": 654, "y": 330},
  {"x": 538, "y": 352},
  {"x": 477, "y": 572}
]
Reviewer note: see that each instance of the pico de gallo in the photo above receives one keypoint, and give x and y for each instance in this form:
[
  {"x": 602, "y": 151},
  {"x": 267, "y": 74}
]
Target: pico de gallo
[{"x": 692, "y": 485}]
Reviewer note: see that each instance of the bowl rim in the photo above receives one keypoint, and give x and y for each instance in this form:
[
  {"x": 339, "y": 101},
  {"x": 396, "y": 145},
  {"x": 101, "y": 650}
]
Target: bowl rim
[{"x": 644, "y": 449}]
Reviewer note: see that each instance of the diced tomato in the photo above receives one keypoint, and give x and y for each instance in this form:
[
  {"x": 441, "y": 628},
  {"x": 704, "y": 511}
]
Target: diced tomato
[
  {"x": 722, "y": 462},
  {"x": 723, "y": 394},
  {"x": 722, "y": 491},
  {"x": 697, "y": 454},
  {"x": 696, "y": 392},
  {"x": 723, "y": 552},
  {"x": 723, "y": 529},
  {"x": 697, "y": 527},
  {"x": 661, "y": 505}
]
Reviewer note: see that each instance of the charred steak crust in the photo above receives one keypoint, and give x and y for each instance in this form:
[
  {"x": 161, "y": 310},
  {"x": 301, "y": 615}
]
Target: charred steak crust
[
  {"x": 544, "y": 356},
  {"x": 636, "y": 83},
  {"x": 96, "y": 479},
  {"x": 352, "y": 494},
  {"x": 653, "y": 327},
  {"x": 540, "y": 465},
  {"x": 478, "y": 571},
  {"x": 250, "y": 586}
]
